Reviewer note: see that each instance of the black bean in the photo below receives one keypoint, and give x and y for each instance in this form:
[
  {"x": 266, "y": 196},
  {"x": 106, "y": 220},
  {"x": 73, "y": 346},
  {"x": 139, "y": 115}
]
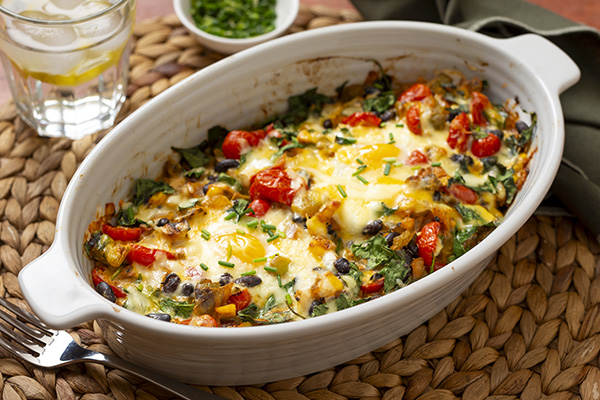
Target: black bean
[
  {"x": 187, "y": 289},
  {"x": 373, "y": 227},
  {"x": 376, "y": 276},
  {"x": 106, "y": 291},
  {"x": 521, "y": 126},
  {"x": 159, "y": 316},
  {"x": 489, "y": 162},
  {"x": 213, "y": 178},
  {"x": 162, "y": 222},
  {"x": 437, "y": 196},
  {"x": 330, "y": 230},
  {"x": 342, "y": 265},
  {"x": 498, "y": 133},
  {"x": 313, "y": 305},
  {"x": 93, "y": 241},
  {"x": 225, "y": 279},
  {"x": 297, "y": 218},
  {"x": 453, "y": 113},
  {"x": 328, "y": 124},
  {"x": 248, "y": 280},
  {"x": 412, "y": 248},
  {"x": 406, "y": 256},
  {"x": 462, "y": 159},
  {"x": 389, "y": 238},
  {"x": 387, "y": 115},
  {"x": 171, "y": 283},
  {"x": 224, "y": 165},
  {"x": 371, "y": 90}
]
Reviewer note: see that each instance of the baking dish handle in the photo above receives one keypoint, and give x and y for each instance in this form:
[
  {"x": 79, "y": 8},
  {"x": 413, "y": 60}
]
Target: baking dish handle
[
  {"x": 57, "y": 295},
  {"x": 558, "y": 71}
]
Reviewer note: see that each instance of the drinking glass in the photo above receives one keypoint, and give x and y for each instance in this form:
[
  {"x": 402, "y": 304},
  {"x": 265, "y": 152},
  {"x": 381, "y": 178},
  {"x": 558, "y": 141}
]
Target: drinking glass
[{"x": 66, "y": 62}]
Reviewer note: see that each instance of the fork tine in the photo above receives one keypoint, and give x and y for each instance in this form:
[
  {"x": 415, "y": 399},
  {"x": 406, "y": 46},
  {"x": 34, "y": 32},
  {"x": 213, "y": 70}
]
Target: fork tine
[
  {"x": 18, "y": 352},
  {"x": 35, "y": 334},
  {"x": 26, "y": 315}
]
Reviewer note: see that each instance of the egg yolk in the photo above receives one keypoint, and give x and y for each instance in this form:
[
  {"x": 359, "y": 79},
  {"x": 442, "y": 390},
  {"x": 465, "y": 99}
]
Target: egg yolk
[{"x": 245, "y": 247}]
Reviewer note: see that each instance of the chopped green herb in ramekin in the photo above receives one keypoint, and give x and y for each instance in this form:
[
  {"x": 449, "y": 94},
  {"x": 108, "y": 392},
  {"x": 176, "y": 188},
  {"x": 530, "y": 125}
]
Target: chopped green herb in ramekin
[{"x": 235, "y": 19}]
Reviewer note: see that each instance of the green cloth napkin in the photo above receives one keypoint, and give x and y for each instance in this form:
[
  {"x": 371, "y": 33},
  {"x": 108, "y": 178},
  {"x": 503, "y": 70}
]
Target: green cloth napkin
[{"x": 577, "y": 184}]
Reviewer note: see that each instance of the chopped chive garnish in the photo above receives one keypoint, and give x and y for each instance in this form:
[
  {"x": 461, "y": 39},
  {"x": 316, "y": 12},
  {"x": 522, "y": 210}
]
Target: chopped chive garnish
[
  {"x": 117, "y": 272},
  {"x": 240, "y": 231},
  {"x": 359, "y": 170},
  {"x": 205, "y": 234},
  {"x": 392, "y": 140},
  {"x": 399, "y": 125},
  {"x": 416, "y": 168},
  {"x": 358, "y": 160},
  {"x": 226, "y": 264},
  {"x": 342, "y": 191},
  {"x": 288, "y": 299},
  {"x": 279, "y": 280},
  {"x": 204, "y": 266},
  {"x": 389, "y": 160},
  {"x": 275, "y": 236},
  {"x": 259, "y": 260},
  {"x": 436, "y": 164},
  {"x": 281, "y": 234},
  {"x": 253, "y": 272},
  {"x": 363, "y": 180},
  {"x": 139, "y": 277},
  {"x": 229, "y": 250},
  {"x": 270, "y": 269},
  {"x": 398, "y": 164},
  {"x": 252, "y": 224},
  {"x": 267, "y": 227},
  {"x": 230, "y": 216},
  {"x": 387, "y": 169},
  {"x": 140, "y": 287}
]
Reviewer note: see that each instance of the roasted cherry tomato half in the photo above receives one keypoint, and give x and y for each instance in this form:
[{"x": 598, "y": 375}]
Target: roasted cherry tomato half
[
  {"x": 241, "y": 299},
  {"x": 122, "y": 233},
  {"x": 259, "y": 207},
  {"x": 459, "y": 131},
  {"x": 202, "y": 320},
  {"x": 413, "y": 120},
  {"x": 98, "y": 276},
  {"x": 238, "y": 142},
  {"x": 416, "y": 92},
  {"x": 428, "y": 241},
  {"x": 487, "y": 146},
  {"x": 145, "y": 255},
  {"x": 372, "y": 287},
  {"x": 479, "y": 102},
  {"x": 362, "y": 118},
  {"x": 273, "y": 185},
  {"x": 463, "y": 193},
  {"x": 416, "y": 157}
]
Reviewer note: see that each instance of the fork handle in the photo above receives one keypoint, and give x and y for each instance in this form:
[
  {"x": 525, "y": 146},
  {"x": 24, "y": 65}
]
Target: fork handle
[{"x": 177, "y": 388}]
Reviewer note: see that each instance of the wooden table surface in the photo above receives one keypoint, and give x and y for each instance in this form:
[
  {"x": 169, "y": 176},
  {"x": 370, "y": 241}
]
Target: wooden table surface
[{"x": 583, "y": 11}]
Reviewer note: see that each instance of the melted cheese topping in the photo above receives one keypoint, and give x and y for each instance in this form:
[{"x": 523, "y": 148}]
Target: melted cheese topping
[{"x": 343, "y": 179}]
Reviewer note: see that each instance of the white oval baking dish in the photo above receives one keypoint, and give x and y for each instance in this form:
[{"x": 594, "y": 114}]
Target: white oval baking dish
[{"x": 244, "y": 89}]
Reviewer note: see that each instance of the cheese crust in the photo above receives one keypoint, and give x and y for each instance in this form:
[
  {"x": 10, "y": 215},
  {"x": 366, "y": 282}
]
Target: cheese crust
[{"x": 340, "y": 200}]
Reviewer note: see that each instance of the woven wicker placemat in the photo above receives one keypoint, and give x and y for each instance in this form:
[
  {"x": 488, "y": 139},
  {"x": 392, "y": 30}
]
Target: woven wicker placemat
[{"x": 528, "y": 327}]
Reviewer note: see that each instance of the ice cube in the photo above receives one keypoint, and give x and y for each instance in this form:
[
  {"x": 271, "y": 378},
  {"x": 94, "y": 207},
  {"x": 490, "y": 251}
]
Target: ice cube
[
  {"x": 47, "y": 36},
  {"x": 100, "y": 27}
]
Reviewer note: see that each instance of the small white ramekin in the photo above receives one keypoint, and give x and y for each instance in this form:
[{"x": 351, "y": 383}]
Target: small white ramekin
[{"x": 286, "y": 10}]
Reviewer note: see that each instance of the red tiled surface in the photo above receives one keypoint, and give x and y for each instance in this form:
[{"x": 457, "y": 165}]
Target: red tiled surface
[{"x": 583, "y": 11}]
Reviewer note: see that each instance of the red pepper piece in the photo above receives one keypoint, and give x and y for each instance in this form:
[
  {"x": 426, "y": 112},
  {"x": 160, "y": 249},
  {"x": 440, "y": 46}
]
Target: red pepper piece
[{"x": 123, "y": 233}]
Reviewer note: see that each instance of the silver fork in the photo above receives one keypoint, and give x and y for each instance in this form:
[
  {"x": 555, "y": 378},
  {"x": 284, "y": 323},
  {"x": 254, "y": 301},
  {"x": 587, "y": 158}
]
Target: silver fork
[{"x": 45, "y": 347}]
